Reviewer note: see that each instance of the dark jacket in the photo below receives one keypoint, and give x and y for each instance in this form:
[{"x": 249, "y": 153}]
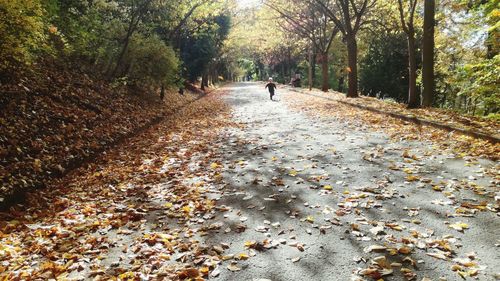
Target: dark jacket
[{"x": 271, "y": 86}]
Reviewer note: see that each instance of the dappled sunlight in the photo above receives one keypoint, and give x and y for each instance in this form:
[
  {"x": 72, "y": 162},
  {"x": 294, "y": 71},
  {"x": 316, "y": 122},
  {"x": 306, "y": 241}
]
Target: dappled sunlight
[{"x": 263, "y": 140}]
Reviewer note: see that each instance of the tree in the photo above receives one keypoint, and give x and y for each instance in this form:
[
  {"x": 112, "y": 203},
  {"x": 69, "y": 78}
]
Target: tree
[
  {"x": 138, "y": 10},
  {"x": 348, "y": 16},
  {"x": 21, "y": 32},
  {"x": 310, "y": 22},
  {"x": 428, "y": 53},
  {"x": 408, "y": 24},
  {"x": 384, "y": 67},
  {"x": 200, "y": 49}
]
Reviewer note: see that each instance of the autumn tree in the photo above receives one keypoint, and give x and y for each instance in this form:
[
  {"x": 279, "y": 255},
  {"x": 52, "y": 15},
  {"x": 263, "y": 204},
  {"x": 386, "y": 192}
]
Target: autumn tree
[
  {"x": 349, "y": 16},
  {"x": 21, "y": 33},
  {"x": 311, "y": 22},
  {"x": 137, "y": 10},
  {"x": 407, "y": 16}
]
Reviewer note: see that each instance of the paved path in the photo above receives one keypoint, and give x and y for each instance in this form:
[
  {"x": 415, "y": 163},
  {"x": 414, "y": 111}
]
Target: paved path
[{"x": 277, "y": 167}]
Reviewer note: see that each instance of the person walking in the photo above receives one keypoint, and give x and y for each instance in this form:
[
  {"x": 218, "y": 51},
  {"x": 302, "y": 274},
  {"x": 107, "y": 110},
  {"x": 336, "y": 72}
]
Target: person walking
[{"x": 271, "y": 87}]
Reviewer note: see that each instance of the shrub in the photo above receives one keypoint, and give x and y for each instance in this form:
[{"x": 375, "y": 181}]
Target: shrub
[
  {"x": 22, "y": 33},
  {"x": 151, "y": 62}
]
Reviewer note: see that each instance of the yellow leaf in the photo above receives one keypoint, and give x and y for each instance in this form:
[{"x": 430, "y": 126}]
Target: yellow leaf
[
  {"x": 327, "y": 187},
  {"x": 243, "y": 256},
  {"x": 214, "y": 165},
  {"x": 460, "y": 226},
  {"x": 437, "y": 188},
  {"x": 310, "y": 219},
  {"x": 408, "y": 171},
  {"x": 249, "y": 244},
  {"x": 204, "y": 270},
  {"x": 473, "y": 272},
  {"x": 462, "y": 274},
  {"x": 164, "y": 257},
  {"x": 186, "y": 209},
  {"x": 37, "y": 164},
  {"x": 129, "y": 275},
  {"x": 412, "y": 178}
]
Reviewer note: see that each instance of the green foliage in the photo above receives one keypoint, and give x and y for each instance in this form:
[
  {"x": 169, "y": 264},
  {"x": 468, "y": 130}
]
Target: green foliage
[
  {"x": 466, "y": 66},
  {"x": 494, "y": 116},
  {"x": 22, "y": 33},
  {"x": 117, "y": 39},
  {"x": 384, "y": 71},
  {"x": 197, "y": 52},
  {"x": 151, "y": 61},
  {"x": 81, "y": 27},
  {"x": 481, "y": 82},
  {"x": 247, "y": 67},
  {"x": 202, "y": 48}
]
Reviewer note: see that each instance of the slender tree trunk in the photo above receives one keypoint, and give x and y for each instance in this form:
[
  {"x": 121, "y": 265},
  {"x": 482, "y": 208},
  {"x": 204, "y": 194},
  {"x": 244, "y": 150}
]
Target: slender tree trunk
[
  {"x": 324, "y": 72},
  {"x": 310, "y": 72},
  {"x": 412, "y": 69},
  {"x": 121, "y": 55},
  {"x": 313, "y": 67},
  {"x": 136, "y": 17},
  {"x": 428, "y": 54},
  {"x": 352, "y": 58},
  {"x": 204, "y": 80},
  {"x": 289, "y": 57},
  {"x": 283, "y": 72}
]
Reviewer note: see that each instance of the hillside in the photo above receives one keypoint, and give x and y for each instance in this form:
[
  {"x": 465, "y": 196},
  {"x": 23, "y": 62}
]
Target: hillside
[{"x": 54, "y": 121}]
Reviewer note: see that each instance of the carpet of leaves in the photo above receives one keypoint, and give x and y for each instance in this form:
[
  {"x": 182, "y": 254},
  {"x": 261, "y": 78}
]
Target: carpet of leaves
[
  {"x": 399, "y": 129},
  {"x": 133, "y": 214},
  {"x": 49, "y": 126}
]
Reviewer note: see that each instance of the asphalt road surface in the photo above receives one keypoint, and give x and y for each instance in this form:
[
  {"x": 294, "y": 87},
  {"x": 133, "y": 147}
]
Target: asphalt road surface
[{"x": 322, "y": 193}]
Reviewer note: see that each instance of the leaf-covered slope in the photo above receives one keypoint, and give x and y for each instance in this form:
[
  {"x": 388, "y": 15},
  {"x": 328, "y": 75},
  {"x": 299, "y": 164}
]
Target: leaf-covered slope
[{"x": 52, "y": 122}]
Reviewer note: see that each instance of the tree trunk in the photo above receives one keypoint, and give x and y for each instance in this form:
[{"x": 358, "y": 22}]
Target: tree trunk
[
  {"x": 352, "y": 58},
  {"x": 313, "y": 67},
  {"x": 310, "y": 72},
  {"x": 428, "y": 54},
  {"x": 204, "y": 80},
  {"x": 121, "y": 56},
  {"x": 136, "y": 18},
  {"x": 324, "y": 72},
  {"x": 283, "y": 73},
  {"x": 412, "y": 69},
  {"x": 491, "y": 43},
  {"x": 289, "y": 57}
]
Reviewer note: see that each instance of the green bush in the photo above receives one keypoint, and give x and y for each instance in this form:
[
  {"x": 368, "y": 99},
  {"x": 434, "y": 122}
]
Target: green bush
[
  {"x": 481, "y": 81},
  {"x": 151, "y": 62},
  {"x": 22, "y": 33}
]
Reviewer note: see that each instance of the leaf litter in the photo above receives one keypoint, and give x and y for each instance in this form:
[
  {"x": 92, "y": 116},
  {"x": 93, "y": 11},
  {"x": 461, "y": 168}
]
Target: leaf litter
[{"x": 183, "y": 211}]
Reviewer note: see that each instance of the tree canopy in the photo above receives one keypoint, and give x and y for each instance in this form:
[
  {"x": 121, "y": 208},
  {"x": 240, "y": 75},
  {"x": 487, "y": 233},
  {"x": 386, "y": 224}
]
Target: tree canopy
[{"x": 442, "y": 54}]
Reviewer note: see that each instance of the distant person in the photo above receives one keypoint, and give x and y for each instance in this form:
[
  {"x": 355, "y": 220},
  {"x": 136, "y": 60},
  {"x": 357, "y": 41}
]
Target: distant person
[{"x": 271, "y": 87}]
